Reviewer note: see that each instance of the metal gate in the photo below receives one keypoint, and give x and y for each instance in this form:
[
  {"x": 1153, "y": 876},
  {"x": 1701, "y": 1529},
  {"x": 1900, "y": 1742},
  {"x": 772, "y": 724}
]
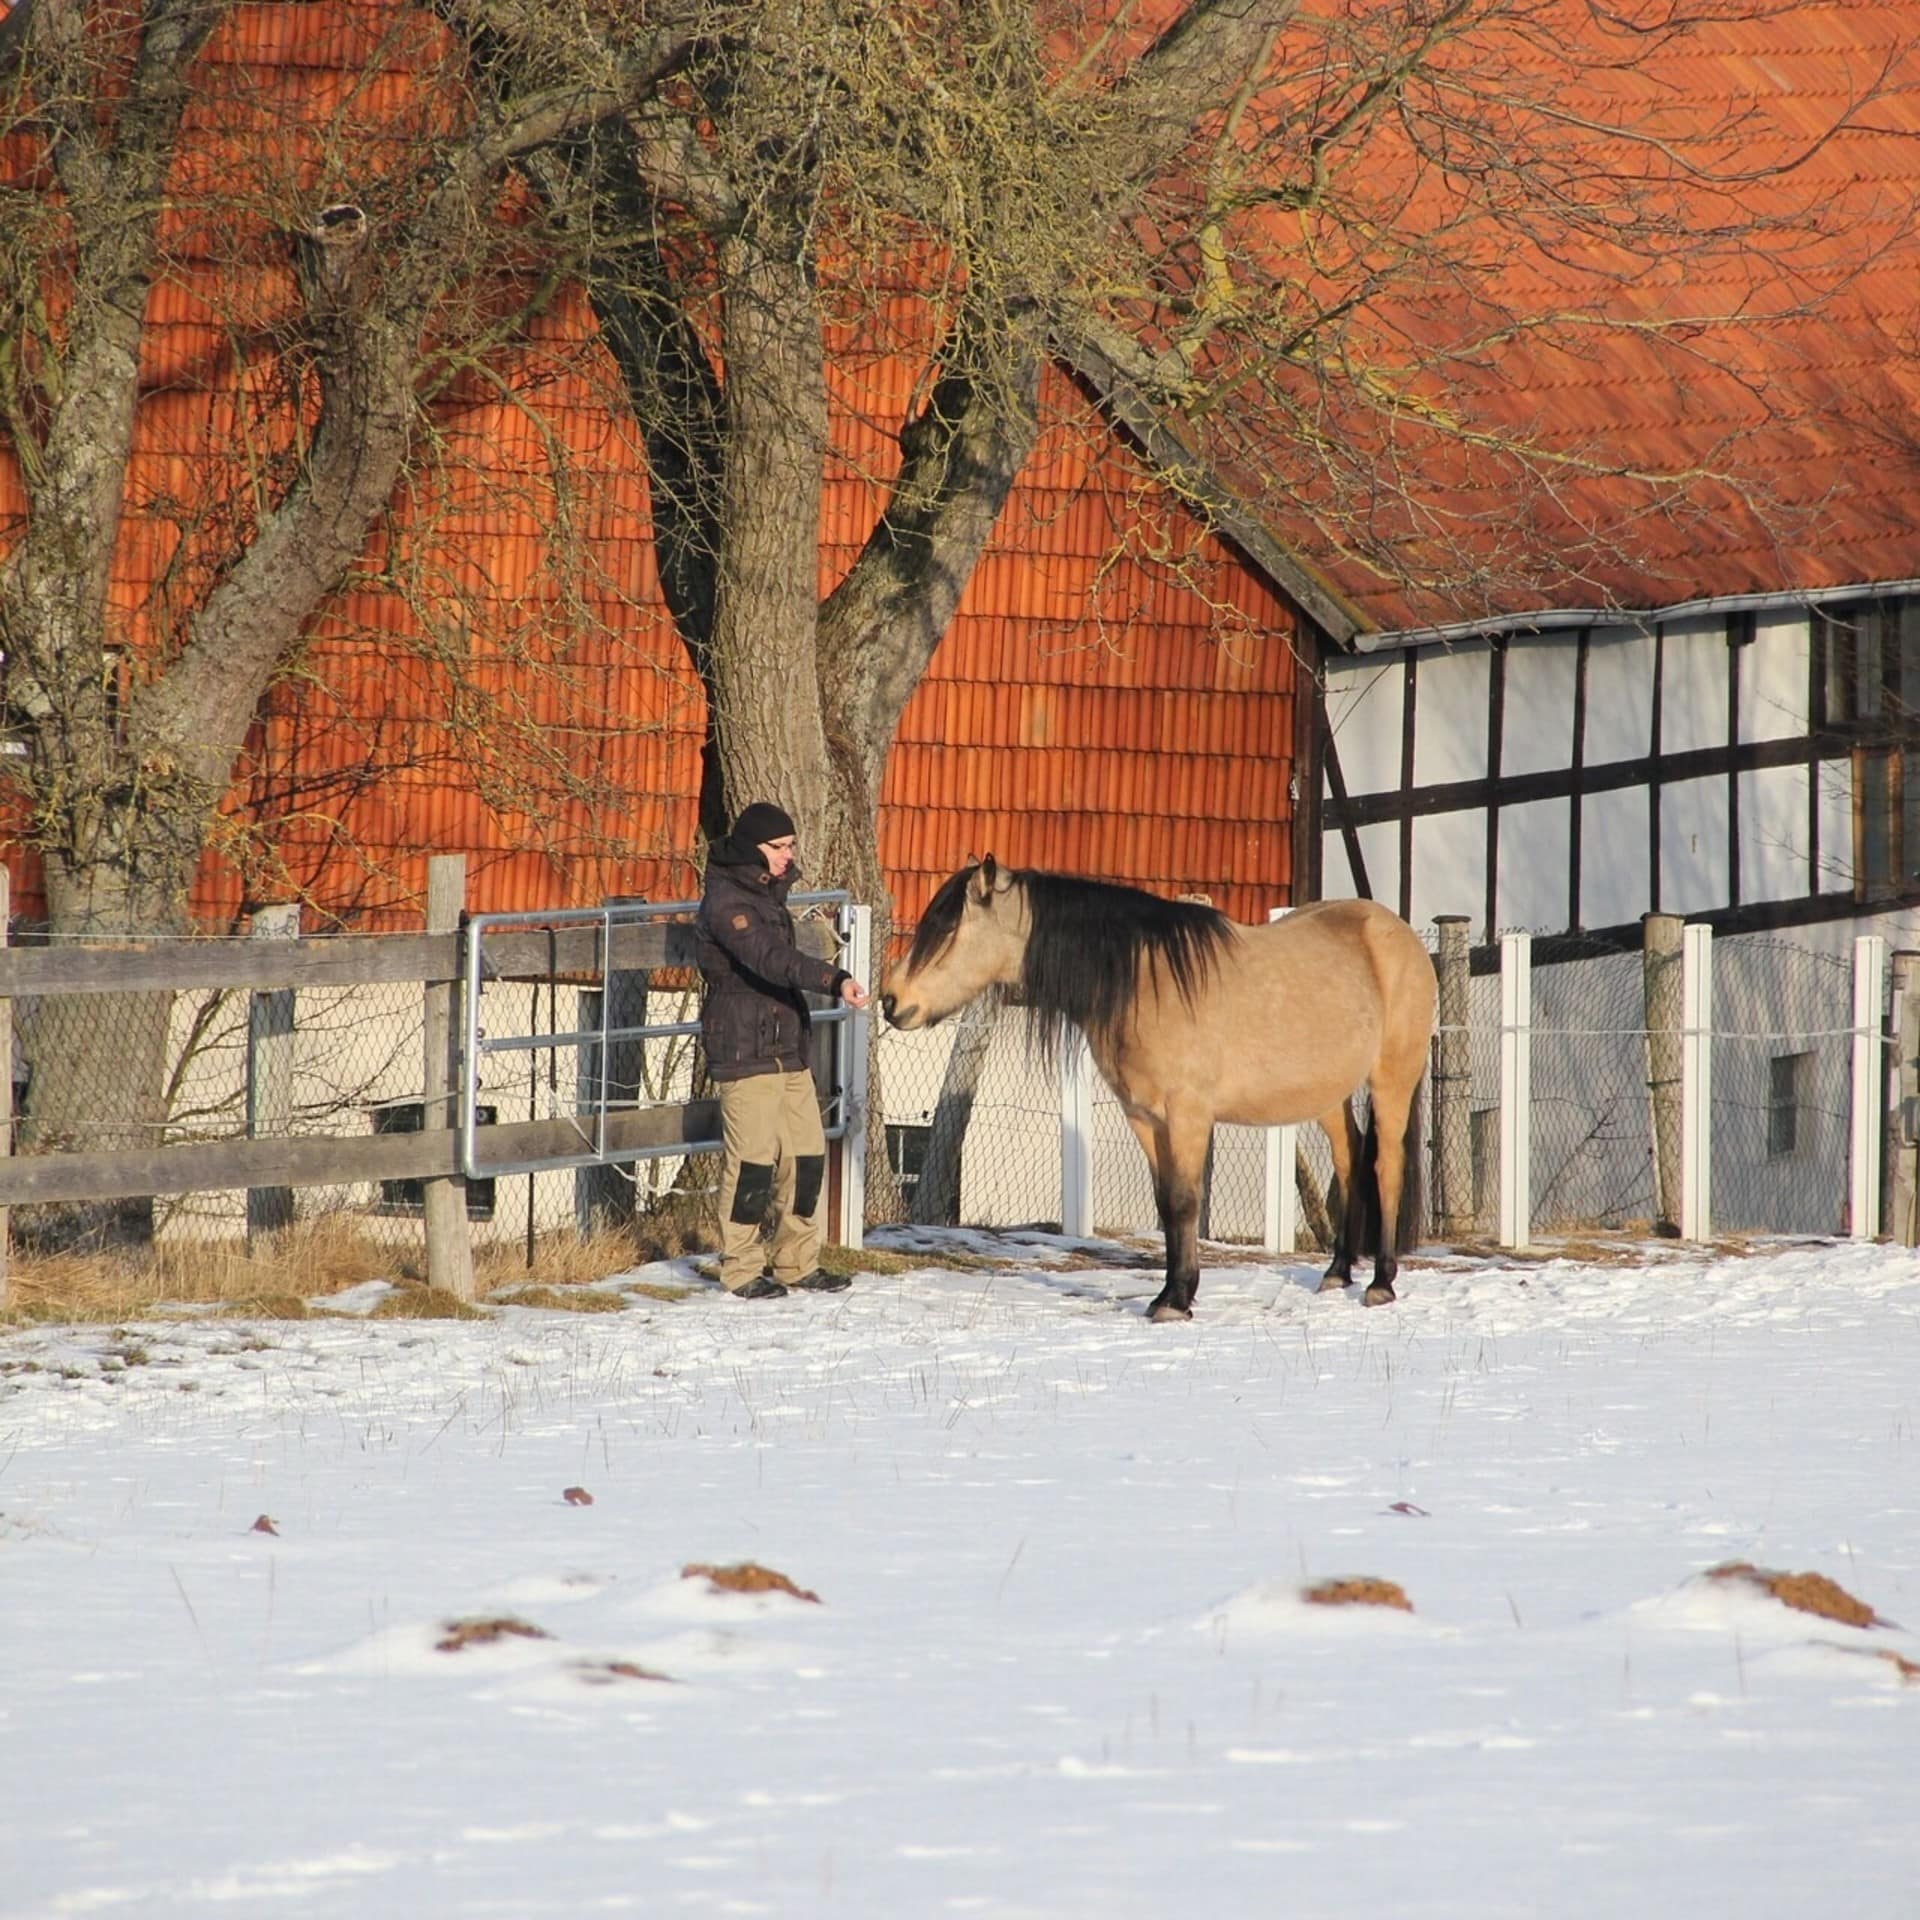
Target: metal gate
[{"x": 605, "y": 959}]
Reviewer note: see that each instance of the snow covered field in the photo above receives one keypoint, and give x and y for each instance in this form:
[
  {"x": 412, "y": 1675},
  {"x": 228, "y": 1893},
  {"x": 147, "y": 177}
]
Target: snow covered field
[{"x": 1059, "y": 1664}]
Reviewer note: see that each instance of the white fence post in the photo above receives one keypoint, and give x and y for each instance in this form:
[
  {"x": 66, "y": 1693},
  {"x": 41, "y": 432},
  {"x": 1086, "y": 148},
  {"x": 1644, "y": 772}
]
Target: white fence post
[
  {"x": 1869, "y": 997},
  {"x": 1696, "y": 1083},
  {"x": 1282, "y": 1210},
  {"x": 853, "y": 1085},
  {"x": 1516, "y": 1088},
  {"x": 1076, "y": 1135}
]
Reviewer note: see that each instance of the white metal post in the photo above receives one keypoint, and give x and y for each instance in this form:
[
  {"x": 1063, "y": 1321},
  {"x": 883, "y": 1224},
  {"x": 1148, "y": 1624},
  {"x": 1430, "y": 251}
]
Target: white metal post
[
  {"x": 853, "y": 1085},
  {"x": 1696, "y": 1083},
  {"x": 1869, "y": 998},
  {"x": 1076, "y": 1136},
  {"x": 1516, "y": 1088},
  {"x": 1282, "y": 1210}
]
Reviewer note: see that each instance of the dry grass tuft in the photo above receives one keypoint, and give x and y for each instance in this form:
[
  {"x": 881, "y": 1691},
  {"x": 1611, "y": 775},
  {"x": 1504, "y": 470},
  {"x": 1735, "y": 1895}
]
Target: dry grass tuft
[
  {"x": 748, "y": 1576},
  {"x": 314, "y": 1258},
  {"x": 659, "y": 1290},
  {"x": 1363, "y": 1591},
  {"x": 564, "y": 1259},
  {"x": 679, "y": 1223},
  {"x": 603, "y": 1673},
  {"x": 424, "y": 1303},
  {"x": 559, "y": 1299},
  {"x": 483, "y": 1630},
  {"x": 1805, "y": 1592},
  {"x": 268, "y": 1306}
]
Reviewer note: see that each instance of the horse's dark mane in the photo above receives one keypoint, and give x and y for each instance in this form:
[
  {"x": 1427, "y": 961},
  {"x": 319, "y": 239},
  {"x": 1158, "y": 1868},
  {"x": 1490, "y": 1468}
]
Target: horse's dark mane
[
  {"x": 942, "y": 917},
  {"x": 1087, "y": 941}
]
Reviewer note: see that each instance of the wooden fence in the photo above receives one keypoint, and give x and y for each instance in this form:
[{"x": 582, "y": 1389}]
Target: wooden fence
[{"x": 270, "y": 968}]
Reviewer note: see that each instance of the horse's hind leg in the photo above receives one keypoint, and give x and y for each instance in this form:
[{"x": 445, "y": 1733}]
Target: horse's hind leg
[
  {"x": 1176, "y": 1150},
  {"x": 1387, "y": 1131},
  {"x": 1343, "y": 1137}
]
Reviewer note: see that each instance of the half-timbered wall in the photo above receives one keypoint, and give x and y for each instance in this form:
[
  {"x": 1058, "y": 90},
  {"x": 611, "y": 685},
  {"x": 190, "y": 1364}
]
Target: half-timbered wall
[{"x": 1750, "y": 767}]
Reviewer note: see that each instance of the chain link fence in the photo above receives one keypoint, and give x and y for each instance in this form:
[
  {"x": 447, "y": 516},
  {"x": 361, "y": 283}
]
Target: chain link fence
[
  {"x": 972, "y": 1115},
  {"x": 967, "y": 1114}
]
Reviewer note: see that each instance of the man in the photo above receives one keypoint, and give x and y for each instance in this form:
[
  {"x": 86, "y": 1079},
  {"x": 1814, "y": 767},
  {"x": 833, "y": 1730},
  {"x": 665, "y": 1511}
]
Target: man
[{"x": 759, "y": 1052}]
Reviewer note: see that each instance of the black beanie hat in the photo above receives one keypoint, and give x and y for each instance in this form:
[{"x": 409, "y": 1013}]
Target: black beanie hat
[{"x": 761, "y": 822}]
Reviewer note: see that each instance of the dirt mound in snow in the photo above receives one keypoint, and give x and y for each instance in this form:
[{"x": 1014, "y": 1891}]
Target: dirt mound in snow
[
  {"x": 1361, "y": 1591},
  {"x": 484, "y": 1630},
  {"x": 1805, "y": 1592},
  {"x": 748, "y": 1576}
]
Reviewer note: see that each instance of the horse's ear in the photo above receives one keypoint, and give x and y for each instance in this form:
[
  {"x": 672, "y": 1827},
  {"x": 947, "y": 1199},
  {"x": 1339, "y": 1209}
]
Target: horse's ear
[{"x": 984, "y": 880}]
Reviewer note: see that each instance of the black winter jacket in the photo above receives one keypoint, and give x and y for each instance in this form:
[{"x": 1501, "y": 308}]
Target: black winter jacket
[{"x": 754, "y": 1019}]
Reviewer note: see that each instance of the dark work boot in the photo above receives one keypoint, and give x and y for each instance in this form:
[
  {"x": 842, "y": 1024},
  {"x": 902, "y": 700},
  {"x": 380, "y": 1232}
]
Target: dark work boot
[
  {"x": 763, "y": 1286},
  {"x": 821, "y": 1280}
]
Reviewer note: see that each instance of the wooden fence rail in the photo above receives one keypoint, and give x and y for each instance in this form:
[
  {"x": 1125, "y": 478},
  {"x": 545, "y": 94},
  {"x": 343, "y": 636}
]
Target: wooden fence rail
[{"x": 269, "y": 1160}]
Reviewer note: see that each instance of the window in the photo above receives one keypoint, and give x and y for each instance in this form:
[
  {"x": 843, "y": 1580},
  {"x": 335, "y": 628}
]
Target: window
[
  {"x": 1867, "y": 689},
  {"x": 1786, "y": 1089},
  {"x": 409, "y": 1196},
  {"x": 907, "y": 1154}
]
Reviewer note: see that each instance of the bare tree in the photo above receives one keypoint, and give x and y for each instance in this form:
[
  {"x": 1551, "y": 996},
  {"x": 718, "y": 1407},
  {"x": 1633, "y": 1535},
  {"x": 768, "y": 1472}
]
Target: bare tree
[
  {"x": 137, "y": 160},
  {"x": 1276, "y": 248}
]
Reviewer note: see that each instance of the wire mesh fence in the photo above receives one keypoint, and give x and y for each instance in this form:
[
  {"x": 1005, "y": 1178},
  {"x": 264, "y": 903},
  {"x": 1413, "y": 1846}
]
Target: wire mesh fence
[
  {"x": 973, "y": 1114},
  {"x": 1782, "y": 1087},
  {"x": 967, "y": 1116}
]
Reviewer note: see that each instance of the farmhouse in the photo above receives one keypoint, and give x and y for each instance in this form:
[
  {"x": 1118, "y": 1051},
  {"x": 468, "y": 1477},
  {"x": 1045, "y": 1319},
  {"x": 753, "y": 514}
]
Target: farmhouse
[{"x": 1594, "y": 602}]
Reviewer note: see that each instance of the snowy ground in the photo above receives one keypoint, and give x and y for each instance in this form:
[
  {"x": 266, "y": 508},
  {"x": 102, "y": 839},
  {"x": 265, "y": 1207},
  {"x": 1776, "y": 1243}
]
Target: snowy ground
[{"x": 1059, "y": 1665}]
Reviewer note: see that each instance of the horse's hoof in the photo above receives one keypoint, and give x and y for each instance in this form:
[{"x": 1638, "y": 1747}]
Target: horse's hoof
[
  {"x": 1164, "y": 1310},
  {"x": 1380, "y": 1296},
  {"x": 1333, "y": 1282}
]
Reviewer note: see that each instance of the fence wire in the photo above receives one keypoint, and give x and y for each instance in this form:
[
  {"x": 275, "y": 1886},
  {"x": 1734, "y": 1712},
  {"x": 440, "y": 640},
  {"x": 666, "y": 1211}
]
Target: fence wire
[
  {"x": 1782, "y": 1080},
  {"x": 966, "y": 1126}
]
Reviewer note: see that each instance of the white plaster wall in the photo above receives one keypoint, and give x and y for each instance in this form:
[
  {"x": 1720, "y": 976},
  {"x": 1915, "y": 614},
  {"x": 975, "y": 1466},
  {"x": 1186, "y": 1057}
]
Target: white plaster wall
[
  {"x": 1773, "y": 678},
  {"x": 1693, "y": 684},
  {"x": 1379, "y": 848},
  {"x": 1450, "y": 714},
  {"x": 1774, "y": 863},
  {"x": 1694, "y": 832},
  {"x": 1365, "y": 704},
  {"x": 1450, "y": 866},
  {"x": 1537, "y": 726},
  {"x": 1836, "y": 826},
  {"x": 1619, "y": 695},
  {"x": 1613, "y": 857},
  {"x": 1533, "y": 867}
]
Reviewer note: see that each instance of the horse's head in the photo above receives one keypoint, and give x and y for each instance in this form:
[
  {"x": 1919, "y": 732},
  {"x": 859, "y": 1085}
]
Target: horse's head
[{"x": 970, "y": 938}]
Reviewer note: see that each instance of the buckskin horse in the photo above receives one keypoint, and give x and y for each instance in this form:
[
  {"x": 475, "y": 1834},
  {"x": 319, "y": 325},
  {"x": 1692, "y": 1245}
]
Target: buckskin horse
[{"x": 1194, "y": 1019}]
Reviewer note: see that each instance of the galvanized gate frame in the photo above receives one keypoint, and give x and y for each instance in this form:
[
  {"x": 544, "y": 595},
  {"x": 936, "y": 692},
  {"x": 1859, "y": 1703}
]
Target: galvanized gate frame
[{"x": 478, "y": 1046}]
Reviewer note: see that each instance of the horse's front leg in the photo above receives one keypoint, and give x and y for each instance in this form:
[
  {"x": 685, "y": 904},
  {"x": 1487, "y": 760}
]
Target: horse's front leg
[{"x": 1176, "y": 1150}]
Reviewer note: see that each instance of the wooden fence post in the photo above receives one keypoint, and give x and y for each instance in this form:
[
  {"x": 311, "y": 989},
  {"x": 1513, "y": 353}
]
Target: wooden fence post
[
  {"x": 1904, "y": 1184},
  {"x": 1453, "y": 1082},
  {"x": 6, "y": 1072},
  {"x": 270, "y": 1072},
  {"x": 1660, "y": 940},
  {"x": 449, "y": 1241}
]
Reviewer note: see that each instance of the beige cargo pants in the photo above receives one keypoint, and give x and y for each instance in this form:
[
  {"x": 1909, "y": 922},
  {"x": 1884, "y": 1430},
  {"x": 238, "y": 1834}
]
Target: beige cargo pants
[{"x": 773, "y": 1167}]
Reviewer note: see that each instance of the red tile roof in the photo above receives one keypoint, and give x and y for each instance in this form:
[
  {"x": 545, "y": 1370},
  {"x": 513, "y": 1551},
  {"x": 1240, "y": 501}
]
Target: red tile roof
[{"x": 1732, "y": 416}]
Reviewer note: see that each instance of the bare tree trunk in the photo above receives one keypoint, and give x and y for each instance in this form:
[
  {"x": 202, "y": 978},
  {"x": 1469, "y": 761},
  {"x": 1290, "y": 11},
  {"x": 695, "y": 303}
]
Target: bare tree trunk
[{"x": 766, "y": 610}]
